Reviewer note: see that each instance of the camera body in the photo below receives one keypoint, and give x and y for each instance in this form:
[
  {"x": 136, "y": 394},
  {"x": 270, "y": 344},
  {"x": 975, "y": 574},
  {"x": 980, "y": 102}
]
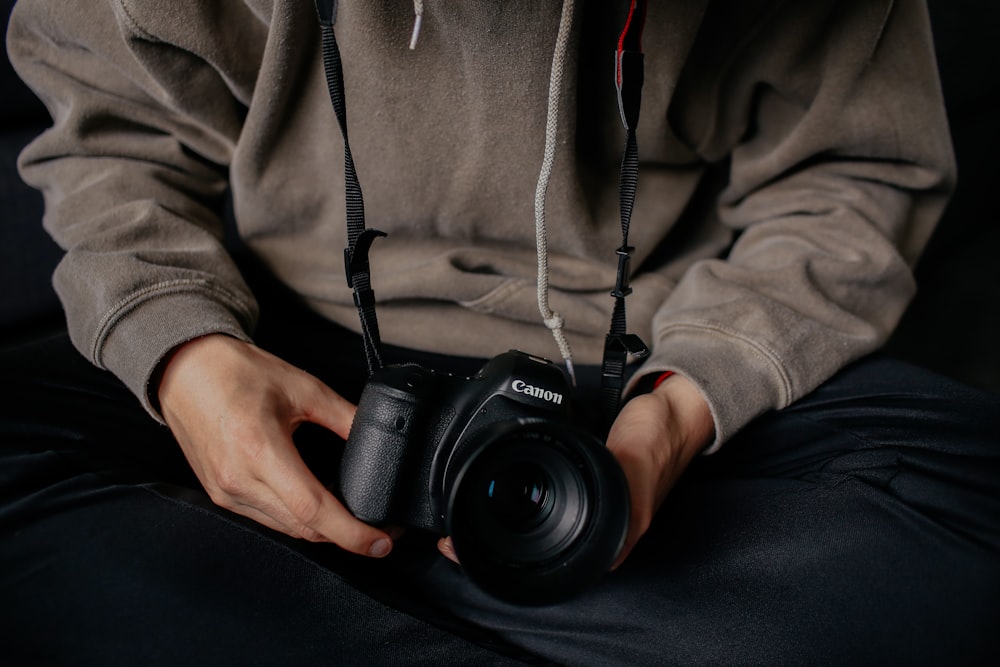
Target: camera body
[
  {"x": 536, "y": 508},
  {"x": 412, "y": 425}
]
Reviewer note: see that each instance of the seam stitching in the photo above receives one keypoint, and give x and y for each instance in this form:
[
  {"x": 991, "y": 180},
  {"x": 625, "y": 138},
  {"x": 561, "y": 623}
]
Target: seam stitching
[{"x": 129, "y": 303}]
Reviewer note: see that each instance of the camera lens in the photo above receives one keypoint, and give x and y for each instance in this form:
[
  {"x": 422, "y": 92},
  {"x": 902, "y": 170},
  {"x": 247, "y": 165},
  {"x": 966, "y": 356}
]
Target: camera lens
[
  {"x": 518, "y": 496},
  {"x": 536, "y": 511}
]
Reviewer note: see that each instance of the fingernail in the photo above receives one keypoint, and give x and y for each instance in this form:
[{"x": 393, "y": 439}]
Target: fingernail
[{"x": 380, "y": 548}]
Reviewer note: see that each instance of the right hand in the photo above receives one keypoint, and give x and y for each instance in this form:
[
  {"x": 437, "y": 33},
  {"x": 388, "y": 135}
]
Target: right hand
[{"x": 233, "y": 408}]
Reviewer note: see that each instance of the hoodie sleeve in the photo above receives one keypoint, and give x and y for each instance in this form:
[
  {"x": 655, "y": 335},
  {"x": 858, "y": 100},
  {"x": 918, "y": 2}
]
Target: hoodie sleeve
[
  {"x": 134, "y": 174},
  {"x": 831, "y": 120}
]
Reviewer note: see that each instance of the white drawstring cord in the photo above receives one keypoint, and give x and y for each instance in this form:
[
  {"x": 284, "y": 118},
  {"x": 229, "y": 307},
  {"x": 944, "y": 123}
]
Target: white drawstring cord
[
  {"x": 418, "y": 19},
  {"x": 552, "y": 320}
]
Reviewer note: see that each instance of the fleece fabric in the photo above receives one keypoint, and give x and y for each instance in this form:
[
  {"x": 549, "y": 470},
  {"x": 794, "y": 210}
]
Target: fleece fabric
[{"x": 794, "y": 161}]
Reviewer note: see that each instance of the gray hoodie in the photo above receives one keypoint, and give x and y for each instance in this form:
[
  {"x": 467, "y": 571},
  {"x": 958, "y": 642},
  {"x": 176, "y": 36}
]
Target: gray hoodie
[{"x": 794, "y": 161}]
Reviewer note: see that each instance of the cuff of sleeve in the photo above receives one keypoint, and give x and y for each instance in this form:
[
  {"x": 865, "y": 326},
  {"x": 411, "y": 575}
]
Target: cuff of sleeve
[
  {"x": 739, "y": 379},
  {"x": 138, "y": 340},
  {"x": 645, "y": 382}
]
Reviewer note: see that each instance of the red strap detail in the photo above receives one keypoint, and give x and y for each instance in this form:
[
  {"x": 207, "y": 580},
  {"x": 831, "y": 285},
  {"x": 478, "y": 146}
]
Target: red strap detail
[
  {"x": 627, "y": 33},
  {"x": 628, "y": 23},
  {"x": 660, "y": 380}
]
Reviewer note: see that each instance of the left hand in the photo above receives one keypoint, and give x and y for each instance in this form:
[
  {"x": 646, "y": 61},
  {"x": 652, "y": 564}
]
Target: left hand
[{"x": 654, "y": 438}]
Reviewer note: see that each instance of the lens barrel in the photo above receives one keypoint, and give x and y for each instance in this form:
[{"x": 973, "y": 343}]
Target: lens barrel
[{"x": 536, "y": 510}]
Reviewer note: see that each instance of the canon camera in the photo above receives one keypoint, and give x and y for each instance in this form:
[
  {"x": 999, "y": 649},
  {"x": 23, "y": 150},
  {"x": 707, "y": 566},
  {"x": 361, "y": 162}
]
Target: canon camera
[{"x": 536, "y": 508}]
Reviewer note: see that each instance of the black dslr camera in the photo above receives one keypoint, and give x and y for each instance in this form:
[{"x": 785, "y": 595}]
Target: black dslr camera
[{"x": 536, "y": 508}]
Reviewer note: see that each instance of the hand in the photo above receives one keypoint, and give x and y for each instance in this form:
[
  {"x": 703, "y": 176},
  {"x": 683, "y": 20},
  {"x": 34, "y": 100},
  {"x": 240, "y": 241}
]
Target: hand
[
  {"x": 654, "y": 438},
  {"x": 233, "y": 408}
]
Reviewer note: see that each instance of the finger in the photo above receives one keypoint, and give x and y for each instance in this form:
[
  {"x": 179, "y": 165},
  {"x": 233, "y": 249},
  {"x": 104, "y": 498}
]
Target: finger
[
  {"x": 264, "y": 518},
  {"x": 316, "y": 514},
  {"x": 639, "y": 517},
  {"x": 447, "y": 549},
  {"x": 249, "y": 496},
  {"x": 272, "y": 480},
  {"x": 321, "y": 520},
  {"x": 318, "y": 404},
  {"x": 639, "y": 464}
]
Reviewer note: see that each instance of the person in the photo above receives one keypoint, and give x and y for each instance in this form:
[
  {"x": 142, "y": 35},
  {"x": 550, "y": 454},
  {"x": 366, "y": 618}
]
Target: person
[{"x": 793, "y": 497}]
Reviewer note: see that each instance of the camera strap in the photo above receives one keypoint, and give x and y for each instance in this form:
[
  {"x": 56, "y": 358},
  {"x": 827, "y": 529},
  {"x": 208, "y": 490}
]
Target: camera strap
[
  {"x": 359, "y": 237},
  {"x": 619, "y": 345}
]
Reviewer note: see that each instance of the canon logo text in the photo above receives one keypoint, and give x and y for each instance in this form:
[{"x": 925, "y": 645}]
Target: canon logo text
[{"x": 522, "y": 387}]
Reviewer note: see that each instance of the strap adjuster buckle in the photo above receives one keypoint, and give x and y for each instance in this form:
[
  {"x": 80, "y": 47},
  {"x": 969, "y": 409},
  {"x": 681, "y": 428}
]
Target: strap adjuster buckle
[
  {"x": 622, "y": 288},
  {"x": 356, "y": 256}
]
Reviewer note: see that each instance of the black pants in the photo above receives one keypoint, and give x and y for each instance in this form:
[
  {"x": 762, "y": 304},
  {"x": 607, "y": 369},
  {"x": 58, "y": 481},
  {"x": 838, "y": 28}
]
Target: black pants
[{"x": 860, "y": 525}]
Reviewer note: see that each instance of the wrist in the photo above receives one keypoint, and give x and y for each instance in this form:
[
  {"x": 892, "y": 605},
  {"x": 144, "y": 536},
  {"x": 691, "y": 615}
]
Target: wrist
[
  {"x": 687, "y": 408},
  {"x": 168, "y": 365}
]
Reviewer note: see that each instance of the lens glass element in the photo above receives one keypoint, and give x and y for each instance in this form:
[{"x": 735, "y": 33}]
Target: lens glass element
[{"x": 518, "y": 496}]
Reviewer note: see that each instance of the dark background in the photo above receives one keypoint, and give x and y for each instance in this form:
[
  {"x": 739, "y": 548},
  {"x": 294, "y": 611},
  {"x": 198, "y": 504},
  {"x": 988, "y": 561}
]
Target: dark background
[{"x": 952, "y": 327}]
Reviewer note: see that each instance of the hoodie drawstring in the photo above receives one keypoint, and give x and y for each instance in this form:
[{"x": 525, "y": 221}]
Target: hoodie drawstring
[
  {"x": 418, "y": 20},
  {"x": 552, "y": 320}
]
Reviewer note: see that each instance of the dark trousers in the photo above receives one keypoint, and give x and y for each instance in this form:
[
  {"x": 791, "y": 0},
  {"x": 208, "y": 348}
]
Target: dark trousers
[{"x": 861, "y": 525}]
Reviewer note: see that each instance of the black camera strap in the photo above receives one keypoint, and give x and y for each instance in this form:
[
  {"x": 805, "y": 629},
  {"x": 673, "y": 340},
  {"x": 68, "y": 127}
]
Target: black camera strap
[
  {"x": 619, "y": 345},
  {"x": 359, "y": 237}
]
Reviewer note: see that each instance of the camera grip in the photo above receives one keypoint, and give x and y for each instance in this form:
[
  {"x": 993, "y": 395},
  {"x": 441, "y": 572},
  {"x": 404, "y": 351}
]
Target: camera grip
[{"x": 376, "y": 452}]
